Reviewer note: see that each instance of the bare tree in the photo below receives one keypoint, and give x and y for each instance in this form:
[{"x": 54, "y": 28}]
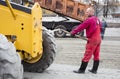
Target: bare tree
[{"x": 109, "y": 6}]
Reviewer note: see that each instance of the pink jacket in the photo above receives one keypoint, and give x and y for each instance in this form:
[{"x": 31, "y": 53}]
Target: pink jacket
[{"x": 89, "y": 24}]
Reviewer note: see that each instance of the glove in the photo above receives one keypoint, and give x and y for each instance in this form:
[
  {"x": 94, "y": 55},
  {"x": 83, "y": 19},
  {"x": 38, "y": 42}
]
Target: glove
[{"x": 72, "y": 35}]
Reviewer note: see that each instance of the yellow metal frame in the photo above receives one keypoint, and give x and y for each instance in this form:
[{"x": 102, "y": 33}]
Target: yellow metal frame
[{"x": 27, "y": 27}]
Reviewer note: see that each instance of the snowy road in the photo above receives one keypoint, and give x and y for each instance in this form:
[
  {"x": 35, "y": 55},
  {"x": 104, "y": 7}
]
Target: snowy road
[
  {"x": 70, "y": 52},
  {"x": 57, "y": 71}
]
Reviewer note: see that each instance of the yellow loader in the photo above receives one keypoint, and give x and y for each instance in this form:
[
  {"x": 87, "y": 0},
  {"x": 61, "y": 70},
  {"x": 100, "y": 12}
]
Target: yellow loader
[{"x": 22, "y": 25}]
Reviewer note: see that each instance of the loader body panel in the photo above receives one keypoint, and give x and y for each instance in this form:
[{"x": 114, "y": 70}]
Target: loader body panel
[{"x": 27, "y": 27}]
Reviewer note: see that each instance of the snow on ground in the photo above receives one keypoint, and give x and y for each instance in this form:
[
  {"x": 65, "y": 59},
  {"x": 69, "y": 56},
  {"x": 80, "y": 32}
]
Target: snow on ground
[
  {"x": 112, "y": 32},
  {"x": 58, "y": 71}
]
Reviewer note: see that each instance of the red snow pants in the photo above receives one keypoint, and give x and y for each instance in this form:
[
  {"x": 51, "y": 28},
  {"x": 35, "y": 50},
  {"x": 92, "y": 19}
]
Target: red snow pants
[{"x": 93, "y": 46}]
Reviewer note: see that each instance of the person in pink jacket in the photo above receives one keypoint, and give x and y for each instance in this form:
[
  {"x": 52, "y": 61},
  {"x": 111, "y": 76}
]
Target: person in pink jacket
[{"x": 92, "y": 25}]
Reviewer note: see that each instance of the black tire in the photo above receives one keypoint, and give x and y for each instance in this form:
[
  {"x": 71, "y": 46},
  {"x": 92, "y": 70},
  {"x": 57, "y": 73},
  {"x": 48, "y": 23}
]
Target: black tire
[
  {"x": 49, "y": 51},
  {"x": 60, "y": 33},
  {"x": 79, "y": 33}
]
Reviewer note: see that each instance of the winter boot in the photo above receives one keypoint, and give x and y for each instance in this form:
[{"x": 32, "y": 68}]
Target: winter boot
[
  {"x": 82, "y": 68},
  {"x": 95, "y": 67}
]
